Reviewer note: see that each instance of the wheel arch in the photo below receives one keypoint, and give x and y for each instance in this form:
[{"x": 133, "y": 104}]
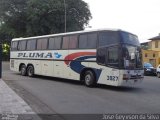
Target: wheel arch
[
  {"x": 30, "y": 64},
  {"x": 20, "y": 65},
  {"x": 83, "y": 72}
]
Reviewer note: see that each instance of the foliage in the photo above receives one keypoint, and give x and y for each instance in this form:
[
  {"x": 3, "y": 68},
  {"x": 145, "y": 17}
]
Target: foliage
[
  {"x": 5, "y": 48},
  {"x": 5, "y": 51},
  {"x": 13, "y": 17},
  {"x": 22, "y": 18}
]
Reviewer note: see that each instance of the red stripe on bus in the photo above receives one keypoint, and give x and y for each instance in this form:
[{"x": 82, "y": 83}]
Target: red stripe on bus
[{"x": 76, "y": 55}]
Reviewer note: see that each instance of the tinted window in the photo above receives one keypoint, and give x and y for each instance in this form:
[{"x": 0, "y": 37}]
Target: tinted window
[
  {"x": 54, "y": 43},
  {"x": 112, "y": 57},
  {"x": 42, "y": 44},
  {"x": 73, "y": 42},
  {"x": 38, "y": 44},
  {"x": 31, "y": 44},
  {"x": 130, "y": 38},
  {"x": 92, "y": 40},
  {"x": 14, "y": 45},
  {"x": 101, "y": 53},
  {"x": 132, "y": 57},
  {"x": 65, "y": 43},
  {"x": 57, "y": 43},
  {"x": 88, "y": 41},
  {"x": 83, "y": 41},
  {"x": 22, "y": 45},
  {"x": 51, "y": 43},
  {"x": 108, "y": 38}
]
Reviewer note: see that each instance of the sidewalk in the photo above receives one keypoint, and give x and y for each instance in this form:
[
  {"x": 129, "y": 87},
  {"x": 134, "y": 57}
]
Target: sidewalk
[{"x": 12, "y": 104}]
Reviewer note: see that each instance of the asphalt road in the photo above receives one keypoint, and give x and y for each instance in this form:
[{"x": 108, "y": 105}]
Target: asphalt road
[{"x": 61, "y": 96}]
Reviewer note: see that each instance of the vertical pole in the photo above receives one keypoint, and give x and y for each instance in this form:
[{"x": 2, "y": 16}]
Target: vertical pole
[
  {"x": 65, "y": 16},
  {"x": 0, "y": 60}
]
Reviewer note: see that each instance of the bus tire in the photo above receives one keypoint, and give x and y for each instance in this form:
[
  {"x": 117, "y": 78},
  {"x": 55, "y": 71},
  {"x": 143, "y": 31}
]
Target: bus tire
[
  {"x": 89, "y": 78},
  {"x": 30, "y": 71},
  {"x": 23, "y": 70}
]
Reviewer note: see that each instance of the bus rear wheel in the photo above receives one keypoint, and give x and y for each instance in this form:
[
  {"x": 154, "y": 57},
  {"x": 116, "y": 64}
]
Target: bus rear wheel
[
  {"x": 23, "y": 70},
  {"x": 30, "y": 71},
  {"x": 89, "y": 79}
]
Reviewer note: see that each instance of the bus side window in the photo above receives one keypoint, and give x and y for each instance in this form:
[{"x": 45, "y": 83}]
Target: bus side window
[
  {"x": 31, "y": 44},
  {"x": 42, "y": 44},
  {"x": 92, "y": 40},
  {"x": 51, "y": 43},
  {"x": 57, "y": 43},
  {"x": 73, "y": 42},
  {"x": 83, "y": 41},
  {"x": 65, "y": 43},
  {"x": 22, "y": 45},
  {"x": 88, "y": 41},
  {"x": 54, "y": 43},
  {"x": 108, "y": 38},
  {"x": 14, "y": 45}
]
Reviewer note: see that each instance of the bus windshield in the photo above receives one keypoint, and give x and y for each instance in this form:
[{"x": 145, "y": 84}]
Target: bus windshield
[{"x": 131, "y": 57}]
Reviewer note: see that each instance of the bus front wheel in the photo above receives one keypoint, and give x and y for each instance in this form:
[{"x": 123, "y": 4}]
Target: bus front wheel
[
  {"x": 30, "y": 71},
  {"x": 23, "y": 70},
  {"x": 89, "y": 78}
]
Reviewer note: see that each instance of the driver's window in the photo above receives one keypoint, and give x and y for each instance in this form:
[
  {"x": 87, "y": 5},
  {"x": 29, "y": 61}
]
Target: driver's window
[
  {"x": 112, "y": 56},
  {"x": 108, "y": 56},
  {"x": 101, "y": 53}
]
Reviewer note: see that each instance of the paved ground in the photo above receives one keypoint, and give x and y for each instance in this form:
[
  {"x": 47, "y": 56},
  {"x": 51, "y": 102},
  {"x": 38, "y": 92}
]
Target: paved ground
[
  {"x": 11, "y": 104},
  {"x": 60, "y": 96}
]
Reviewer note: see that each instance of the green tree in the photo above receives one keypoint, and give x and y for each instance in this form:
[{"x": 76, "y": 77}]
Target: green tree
[
  {"x": 22, "y": 18},
  {"x": 13, "y": 17},
  {"x": 5, "y": 51}
]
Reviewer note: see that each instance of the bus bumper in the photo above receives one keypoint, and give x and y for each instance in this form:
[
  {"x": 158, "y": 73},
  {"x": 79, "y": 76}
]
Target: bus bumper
[{"x": 131, "y": 82}]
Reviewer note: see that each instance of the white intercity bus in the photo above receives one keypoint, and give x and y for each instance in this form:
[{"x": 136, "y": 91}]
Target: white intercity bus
[{"x": 108, "y": 56}]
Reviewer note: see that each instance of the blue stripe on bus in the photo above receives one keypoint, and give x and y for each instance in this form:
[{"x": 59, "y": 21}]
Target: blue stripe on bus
[{"x": 77, "y": 66}]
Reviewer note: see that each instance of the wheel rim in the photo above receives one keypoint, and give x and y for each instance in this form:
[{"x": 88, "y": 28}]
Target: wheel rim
[
  {"x": 30, "y": 71},
  {"x": 23, "y": 69},
  {"x": 88, "y": 79}
]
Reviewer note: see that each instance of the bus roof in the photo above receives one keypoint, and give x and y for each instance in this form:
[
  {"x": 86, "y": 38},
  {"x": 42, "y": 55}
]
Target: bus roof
[{"x": 62, "y": 34}]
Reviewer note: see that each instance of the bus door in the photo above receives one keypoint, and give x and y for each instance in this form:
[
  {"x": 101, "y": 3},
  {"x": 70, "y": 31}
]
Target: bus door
[
  {"x": 108, "y": 58},
  {"x": 112, "y": 62}
]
